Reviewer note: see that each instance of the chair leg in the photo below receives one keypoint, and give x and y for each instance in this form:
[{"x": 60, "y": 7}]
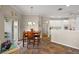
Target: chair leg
[
  {"x": 38, "y": 41},
  {"x": 33, "y": 43},
  {"x": 27, "y": 43},
  {"x": 23, "y": 42}
]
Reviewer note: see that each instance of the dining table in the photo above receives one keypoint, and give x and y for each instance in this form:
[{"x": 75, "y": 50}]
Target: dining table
[{"x": 35, "y": 36}]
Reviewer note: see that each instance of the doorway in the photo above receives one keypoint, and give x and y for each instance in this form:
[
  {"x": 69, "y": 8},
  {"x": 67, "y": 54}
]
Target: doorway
[{"x": 15, "y": 32}]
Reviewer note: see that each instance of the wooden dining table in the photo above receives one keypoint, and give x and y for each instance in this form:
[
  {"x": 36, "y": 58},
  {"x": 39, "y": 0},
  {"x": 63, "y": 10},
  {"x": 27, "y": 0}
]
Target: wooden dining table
[{"x": 35, "y": 36}]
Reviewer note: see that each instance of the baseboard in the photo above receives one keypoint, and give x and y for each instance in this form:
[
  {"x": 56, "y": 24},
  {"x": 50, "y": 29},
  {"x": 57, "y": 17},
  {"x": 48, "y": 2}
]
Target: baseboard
[{"x": 64, "y": 45}]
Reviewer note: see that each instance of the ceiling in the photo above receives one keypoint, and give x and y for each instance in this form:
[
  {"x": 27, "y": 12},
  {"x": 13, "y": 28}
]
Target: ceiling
[{"x": 48, "y": 10}]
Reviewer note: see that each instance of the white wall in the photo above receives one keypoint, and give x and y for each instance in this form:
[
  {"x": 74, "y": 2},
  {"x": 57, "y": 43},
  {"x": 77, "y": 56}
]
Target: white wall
[
  {"x": 29, "y": 18},
  {"x": 69, "y": 38},
  {"x": 1, "y": 29},
  {"x": 77, "y": 22}
]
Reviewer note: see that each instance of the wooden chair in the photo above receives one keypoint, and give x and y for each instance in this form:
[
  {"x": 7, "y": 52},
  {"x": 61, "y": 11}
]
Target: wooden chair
[
  {"x": 36, "y": 39},
  {"x": 24, "y": 38},
  {"x": 30, "y": 38}
]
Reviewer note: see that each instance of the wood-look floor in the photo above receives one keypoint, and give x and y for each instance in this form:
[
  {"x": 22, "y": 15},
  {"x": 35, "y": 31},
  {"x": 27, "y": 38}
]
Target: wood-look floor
[{"x": 47, "y": 47}]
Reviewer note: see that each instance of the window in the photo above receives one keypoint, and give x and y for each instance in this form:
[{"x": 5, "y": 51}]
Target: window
[{"x": 31, "y": 23}]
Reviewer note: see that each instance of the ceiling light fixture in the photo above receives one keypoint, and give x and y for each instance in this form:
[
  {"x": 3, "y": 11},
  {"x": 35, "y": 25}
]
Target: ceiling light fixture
[
  {"x": 31, "y": 10},
  {"x": 59, "y": 9}
]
